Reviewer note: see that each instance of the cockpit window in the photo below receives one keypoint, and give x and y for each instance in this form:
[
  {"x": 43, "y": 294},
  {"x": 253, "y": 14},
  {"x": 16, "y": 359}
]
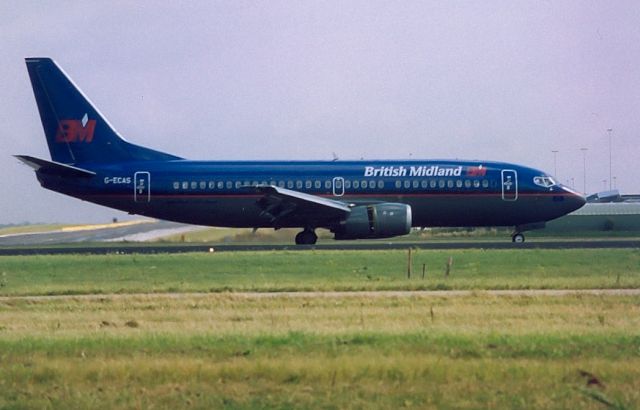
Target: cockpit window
[{"x": 544, "y": 181}]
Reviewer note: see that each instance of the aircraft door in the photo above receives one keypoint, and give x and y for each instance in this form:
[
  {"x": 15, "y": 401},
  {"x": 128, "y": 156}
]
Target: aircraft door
[
  {"x": 509, "y": 185},
  {"x": 338, "y": 186},
  {"x": 142, "y": 187}
]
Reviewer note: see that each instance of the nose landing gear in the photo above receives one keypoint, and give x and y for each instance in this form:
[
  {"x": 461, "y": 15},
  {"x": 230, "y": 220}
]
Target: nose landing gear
[
  {"x": 518, "y": 236},
  {"x": 306, "y": 237}
]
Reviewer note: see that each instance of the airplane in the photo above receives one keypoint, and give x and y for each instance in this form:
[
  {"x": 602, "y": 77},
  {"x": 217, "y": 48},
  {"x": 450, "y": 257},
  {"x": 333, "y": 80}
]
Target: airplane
[{"x": 352, "y": 199}]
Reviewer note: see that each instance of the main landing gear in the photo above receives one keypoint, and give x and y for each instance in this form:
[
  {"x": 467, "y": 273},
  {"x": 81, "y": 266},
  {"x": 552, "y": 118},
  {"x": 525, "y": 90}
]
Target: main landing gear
[
  {"x": 306, "y": 237},
  {"x": 517, "y": 237}
]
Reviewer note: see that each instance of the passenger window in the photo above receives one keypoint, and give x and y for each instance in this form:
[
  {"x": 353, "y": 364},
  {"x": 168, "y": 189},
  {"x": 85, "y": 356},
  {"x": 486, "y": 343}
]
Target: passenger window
[
  {"x": 467, "y": 183},
  {"x": 356, "y": 184},
  {"x": 416, "y": 183},
  {"x": 290, "y": 184},
  {"x": 485, "y": 183},
  {"x": 263, "y": 183},
  {"x": 307, "y": 184},
  {"x": 327, "y": 184},
  {"x": 272, "y": 183},
  {"x": 432, "y": 183},
  {"x": 476, "y": 183},
  {"x": 185, "y": 185},
  {"x": 347, "y": 184},
  {"x": 364, "y": 184},
  {"x": 299, "y": 184},
  {"x": 176, "y": 185},
  {"x": 317, "y": 184},
  {"x": 229, "y": 185},
  {"x": 381, "y": 184},
  {"x": 238, "y": 184},
  {"x": 441, "y": 183},
  {"x": 407, "y": 183},
  {"x": 424, "y": 183},
  {"x": 450, "y": 183},
  {"x": 212, "y": 184},
  {"x": 220, "y": 184},
  {"x": 281, "y": 184},
  {"x": 203, "y": 184},
  {"x": 194, "y": 184},
  {"x": 398, "y": 184}
]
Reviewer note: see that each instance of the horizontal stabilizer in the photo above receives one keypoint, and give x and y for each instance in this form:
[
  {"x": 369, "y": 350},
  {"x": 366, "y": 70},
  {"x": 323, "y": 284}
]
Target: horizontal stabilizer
[{"x": 54, "y": 167}]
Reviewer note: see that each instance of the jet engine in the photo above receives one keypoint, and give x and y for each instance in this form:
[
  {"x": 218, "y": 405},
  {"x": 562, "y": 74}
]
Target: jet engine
[{"x": 375, "y": 221}]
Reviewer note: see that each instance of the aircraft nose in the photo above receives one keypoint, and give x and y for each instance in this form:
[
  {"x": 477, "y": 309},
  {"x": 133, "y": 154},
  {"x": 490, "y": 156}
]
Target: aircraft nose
[{"x": 574, "y": 199}]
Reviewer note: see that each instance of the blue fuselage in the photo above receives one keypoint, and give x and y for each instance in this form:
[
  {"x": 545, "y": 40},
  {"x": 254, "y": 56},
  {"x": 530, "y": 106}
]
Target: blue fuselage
[{"x": 440, "y": 193}]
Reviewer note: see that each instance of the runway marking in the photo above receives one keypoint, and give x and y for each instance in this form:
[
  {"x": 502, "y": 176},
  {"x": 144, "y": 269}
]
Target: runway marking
[
  {"x": 77, "y": 228},
  {"x": 339, "y": 294}
]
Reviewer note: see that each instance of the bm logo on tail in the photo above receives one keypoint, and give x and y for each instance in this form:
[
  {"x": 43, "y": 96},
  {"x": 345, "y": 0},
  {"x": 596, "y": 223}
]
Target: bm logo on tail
[{"x": 76, "y": 130}]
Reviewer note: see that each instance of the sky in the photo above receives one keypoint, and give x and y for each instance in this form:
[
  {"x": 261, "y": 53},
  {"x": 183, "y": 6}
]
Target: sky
[{"x": 492, "y": 80}]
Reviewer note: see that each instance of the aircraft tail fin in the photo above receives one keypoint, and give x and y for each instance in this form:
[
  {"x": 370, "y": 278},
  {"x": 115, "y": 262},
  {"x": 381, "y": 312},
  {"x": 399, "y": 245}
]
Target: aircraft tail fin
[{"x": 76, "y": 131}]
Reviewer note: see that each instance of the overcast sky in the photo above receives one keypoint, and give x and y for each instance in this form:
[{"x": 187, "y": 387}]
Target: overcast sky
[{"x": 495, "y": 80}]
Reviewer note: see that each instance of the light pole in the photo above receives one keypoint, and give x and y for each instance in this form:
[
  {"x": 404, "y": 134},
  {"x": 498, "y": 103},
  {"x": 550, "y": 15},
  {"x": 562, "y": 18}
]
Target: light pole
[
  {"x": 609, "y": 131},
  {"x": 555, "y": 162},
  {"x": 584, "y": 169},
  {"x": 615, "y": 185}
]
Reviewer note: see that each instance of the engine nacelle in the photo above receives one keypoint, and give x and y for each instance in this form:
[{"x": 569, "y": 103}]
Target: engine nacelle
[{"x": 375, "y": 221}]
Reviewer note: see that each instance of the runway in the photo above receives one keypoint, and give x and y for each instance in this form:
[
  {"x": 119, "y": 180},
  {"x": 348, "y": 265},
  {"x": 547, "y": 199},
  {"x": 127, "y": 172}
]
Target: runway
[
  {"x": 102, "y": 249},
  {"x": 137, "y": 231}
]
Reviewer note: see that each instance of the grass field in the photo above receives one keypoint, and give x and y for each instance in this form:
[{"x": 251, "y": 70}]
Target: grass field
[
  {"x": 319, "y": 270},
  {"x": 220, "y": 349}
]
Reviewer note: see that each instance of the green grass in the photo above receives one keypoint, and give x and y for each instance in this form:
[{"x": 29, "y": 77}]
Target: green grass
[
  {"x": 319, "y": 270},
  {"x": 220, "y": 350},
  {"x": 348, "y": 379}
]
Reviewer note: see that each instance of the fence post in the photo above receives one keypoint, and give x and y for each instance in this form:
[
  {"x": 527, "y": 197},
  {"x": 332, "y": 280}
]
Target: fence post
[{"x": 449, "y": 263}]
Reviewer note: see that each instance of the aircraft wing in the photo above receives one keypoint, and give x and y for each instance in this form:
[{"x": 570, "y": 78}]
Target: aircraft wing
[{"x": 280, "y": 204}]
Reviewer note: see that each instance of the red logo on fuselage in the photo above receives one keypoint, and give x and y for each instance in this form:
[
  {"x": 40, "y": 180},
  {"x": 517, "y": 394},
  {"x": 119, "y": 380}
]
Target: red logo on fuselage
[
  {"x": 479, "y": 171},
  {"x": 74, "y": 131}
]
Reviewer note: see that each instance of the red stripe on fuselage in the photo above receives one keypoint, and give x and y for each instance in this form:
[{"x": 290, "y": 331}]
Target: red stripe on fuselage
[{"x": 337, "y": 198}]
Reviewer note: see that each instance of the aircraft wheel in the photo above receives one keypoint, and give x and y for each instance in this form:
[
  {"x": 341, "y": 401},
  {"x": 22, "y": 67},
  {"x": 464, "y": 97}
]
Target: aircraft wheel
[
  {"x": 517, "y": 238},
  {"x": 306, "y": 238}
]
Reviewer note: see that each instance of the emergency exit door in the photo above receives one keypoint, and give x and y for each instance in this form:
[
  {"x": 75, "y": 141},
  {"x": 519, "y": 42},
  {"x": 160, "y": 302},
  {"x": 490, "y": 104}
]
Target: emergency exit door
[{"x": 338, "y": 186}]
